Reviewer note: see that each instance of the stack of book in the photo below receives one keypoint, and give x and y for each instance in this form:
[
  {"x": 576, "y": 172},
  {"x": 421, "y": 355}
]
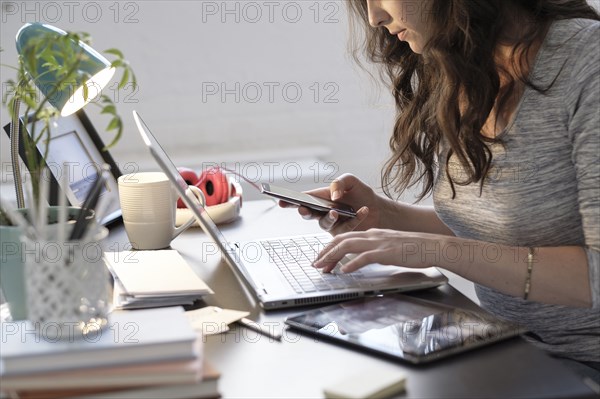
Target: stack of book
[
  {"x": 140, "y": 354},
  {"x": 167, "y": 280}
]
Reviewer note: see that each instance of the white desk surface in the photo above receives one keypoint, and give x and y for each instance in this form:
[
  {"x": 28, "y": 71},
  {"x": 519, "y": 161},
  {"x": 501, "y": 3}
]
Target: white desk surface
[{"x": 254, "y": 366}]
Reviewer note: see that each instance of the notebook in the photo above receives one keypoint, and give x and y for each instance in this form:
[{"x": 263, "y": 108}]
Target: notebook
[
  {"x": 168, "y": 279},
  {"x": 206, "y": 387},
  {"x": 280, "y": 274},
  {"x": 131, "y": 337}
]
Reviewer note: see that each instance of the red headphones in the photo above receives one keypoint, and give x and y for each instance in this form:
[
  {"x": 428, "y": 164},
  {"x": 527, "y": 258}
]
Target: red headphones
[{"x": 214, "y": 184}]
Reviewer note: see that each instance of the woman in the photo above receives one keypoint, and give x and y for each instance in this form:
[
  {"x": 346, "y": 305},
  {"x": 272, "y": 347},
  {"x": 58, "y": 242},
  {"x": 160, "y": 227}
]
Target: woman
[{"x": 498, "y": 118}]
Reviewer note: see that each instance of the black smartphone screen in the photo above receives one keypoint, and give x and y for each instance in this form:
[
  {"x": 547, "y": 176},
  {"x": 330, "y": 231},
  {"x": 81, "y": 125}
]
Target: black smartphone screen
[{"x": 310, "y": 201}]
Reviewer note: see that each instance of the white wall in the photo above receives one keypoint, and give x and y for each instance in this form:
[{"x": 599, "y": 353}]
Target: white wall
[
  {"x": 182, "y": 51},
  {"x": 181, "y": 48}
]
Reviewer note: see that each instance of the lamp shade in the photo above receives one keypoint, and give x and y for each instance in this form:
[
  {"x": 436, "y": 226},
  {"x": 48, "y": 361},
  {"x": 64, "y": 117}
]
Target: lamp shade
[{"x": 93, "y": 70}]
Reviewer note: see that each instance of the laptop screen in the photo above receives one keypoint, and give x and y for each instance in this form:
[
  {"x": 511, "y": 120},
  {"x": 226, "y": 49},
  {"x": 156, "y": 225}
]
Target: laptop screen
[{"x": 204, "y": 220}]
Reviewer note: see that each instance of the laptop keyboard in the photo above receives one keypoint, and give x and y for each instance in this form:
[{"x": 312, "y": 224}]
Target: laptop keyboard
[{"x": 294, "y": 257}]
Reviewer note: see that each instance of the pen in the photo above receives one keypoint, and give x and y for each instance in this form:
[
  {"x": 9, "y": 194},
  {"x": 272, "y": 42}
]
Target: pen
[
  {"x": 254, "y": 326},
  {"x": 82, "y": 223},
  {"x": 62, "y": 206},
  {"x": 42, "y": 212}
]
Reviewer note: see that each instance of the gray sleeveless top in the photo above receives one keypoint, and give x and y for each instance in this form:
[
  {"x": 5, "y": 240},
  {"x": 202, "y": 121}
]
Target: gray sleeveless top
[{"x": 544, "y": 187}]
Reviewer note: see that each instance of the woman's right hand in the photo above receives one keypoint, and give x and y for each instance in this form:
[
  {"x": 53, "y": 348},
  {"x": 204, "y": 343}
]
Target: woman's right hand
[{"x": 351, "y": 191}]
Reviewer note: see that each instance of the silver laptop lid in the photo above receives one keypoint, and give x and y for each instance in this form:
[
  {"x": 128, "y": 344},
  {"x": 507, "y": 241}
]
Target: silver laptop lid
[
  {"x": 428, "y": 278},
  {"x": 204, "y": 220}
]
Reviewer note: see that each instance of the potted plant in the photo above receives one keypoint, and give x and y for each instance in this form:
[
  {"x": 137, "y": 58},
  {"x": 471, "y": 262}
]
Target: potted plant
[{"x": 66, "y": 70}]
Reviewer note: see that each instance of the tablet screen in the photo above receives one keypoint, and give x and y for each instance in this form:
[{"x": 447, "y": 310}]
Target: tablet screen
[{"x": 404, "y": 327}]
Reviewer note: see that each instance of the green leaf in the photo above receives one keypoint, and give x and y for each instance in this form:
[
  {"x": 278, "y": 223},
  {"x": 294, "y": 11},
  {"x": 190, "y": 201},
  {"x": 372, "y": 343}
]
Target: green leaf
[
  {"x": 86, "y": 92},
  {"x": 115, "y": 52},
  {"x": 114, "y": 123},
  {"x": 124, "y": 78},
  {"x": 115, "y": 140},
  {"x": 109, "y": 109},
  {"x": 86, "y": 38},
  {"x": 29, "y": 101},
  {"x": 133, "y": 80}
]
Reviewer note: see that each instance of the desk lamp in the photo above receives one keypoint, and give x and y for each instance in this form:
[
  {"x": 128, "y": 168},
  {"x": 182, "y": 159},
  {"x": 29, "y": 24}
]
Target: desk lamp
[{"x": 92, "y": 71}]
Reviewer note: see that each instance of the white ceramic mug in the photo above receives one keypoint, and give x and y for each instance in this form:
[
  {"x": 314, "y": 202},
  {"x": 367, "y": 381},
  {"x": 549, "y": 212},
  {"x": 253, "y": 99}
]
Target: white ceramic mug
[{"x": 148, "y": 203}]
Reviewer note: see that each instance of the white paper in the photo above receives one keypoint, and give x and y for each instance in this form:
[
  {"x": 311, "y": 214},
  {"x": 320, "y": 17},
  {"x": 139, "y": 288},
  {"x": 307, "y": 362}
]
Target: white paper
[
  {"x": 155, "y": 273},
  {"x": 213, "y": 320}
]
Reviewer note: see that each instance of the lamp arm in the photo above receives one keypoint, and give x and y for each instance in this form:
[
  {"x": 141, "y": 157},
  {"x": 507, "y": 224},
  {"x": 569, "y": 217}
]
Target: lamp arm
[
  {"x": 14, "y": 153},
  {"x": 15, "y": 137}
]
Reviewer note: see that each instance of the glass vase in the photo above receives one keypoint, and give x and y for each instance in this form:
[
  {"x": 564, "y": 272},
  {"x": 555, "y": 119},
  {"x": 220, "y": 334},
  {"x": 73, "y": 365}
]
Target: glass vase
[{"x": 67, "y": 285}]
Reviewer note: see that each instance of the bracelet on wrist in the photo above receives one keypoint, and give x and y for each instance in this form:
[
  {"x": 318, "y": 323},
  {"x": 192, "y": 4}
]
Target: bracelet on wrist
[{"x": 530, "y": 258}]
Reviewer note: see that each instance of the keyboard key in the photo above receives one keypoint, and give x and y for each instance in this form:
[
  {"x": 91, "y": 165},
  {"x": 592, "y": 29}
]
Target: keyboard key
[{"x": 294, "y": 259}]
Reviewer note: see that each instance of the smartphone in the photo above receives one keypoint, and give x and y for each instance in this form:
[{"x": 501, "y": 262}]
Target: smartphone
[{"x": 307, "y": 200}]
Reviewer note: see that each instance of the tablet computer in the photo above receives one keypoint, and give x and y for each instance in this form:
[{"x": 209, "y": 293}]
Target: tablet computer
[{"x": 404, "y": 327}]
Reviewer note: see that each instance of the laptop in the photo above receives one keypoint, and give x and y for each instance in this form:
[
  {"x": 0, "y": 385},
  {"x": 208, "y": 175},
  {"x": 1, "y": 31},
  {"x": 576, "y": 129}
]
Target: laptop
[{"x": 280, "y": 275}]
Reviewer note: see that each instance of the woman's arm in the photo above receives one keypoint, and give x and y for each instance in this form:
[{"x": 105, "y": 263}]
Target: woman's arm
[
  {"x": 374, "y": 211},
  {"x": 559, "y": 276},
  {"x": 415, "y": 218}
]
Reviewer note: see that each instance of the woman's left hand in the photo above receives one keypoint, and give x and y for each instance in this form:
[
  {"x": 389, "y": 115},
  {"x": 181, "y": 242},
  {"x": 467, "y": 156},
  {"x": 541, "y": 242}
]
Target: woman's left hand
[{"x": 387, "y": 247}]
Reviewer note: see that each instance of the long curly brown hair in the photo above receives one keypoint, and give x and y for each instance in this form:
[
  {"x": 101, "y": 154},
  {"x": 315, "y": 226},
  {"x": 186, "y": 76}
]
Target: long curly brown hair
[{"x": 446, "y": 94}]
